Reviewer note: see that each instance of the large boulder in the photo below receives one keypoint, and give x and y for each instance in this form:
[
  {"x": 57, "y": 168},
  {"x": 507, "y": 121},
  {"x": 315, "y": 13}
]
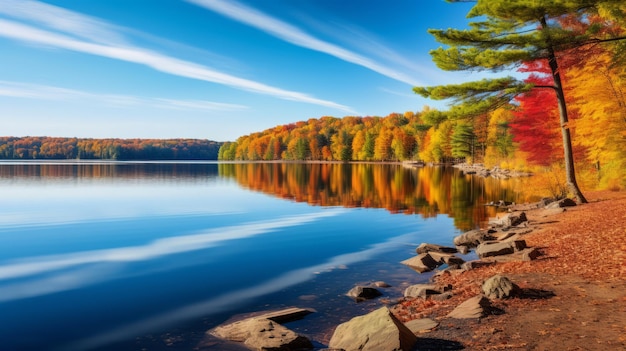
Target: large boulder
[
  {"x": 362, "y": 293},
  {"x": 425, "y": 247},
  {"x": 476, "y": 307},
  {"x": 376, "y": 331},
  {"x": 499, "y": 287},
  {"x": 421, "y": 263}
]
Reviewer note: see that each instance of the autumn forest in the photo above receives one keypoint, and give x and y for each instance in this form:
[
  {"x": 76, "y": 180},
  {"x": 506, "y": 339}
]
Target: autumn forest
[
  {"x": 577, "y": 55},
  {"x": 107, "y": 149}
]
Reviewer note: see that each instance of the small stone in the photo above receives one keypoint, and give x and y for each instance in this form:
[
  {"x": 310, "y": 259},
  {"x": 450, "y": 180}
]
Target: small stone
[
  {"x": 463, "y": 250},
  {"x": 499, "y": 287},
  {"x": 476, "y": 307},
  {"x": 494, "y": 248},
  {"x": 442, "y": 297},
  {"x": 422, "y": 290},
  {"x": 421, "y": 263},
  {"x": 530, "y": 254},
  {"x": 562, "y": 203},
  {"x": 424, "y": 248},
  {"x": 446, "y": 258},
  {"x": 472, "y": 238},
  {"x": 475, "y": 264}
]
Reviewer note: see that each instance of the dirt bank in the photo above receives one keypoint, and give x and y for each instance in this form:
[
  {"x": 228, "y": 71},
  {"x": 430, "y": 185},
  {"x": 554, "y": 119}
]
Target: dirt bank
[{"x": 584, "y": 266}]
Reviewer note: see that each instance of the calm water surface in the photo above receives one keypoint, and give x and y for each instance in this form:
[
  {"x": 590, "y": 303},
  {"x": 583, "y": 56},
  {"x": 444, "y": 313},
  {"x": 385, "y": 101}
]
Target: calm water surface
[{"x": 133, "y": 256}]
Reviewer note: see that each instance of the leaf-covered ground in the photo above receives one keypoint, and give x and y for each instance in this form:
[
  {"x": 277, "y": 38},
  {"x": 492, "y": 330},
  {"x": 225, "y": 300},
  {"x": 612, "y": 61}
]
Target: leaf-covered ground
[{"x": 584, "y": 266}]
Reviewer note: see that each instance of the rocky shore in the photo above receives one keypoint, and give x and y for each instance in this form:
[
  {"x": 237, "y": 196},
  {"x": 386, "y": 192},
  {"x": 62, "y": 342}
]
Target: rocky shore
[
  {"x": 523, "y": 292},
  {"x": 480, "y": 170}
]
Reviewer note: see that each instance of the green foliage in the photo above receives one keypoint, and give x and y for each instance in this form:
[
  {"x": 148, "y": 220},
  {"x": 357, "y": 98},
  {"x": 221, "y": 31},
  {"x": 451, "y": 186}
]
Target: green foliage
[
  {"x": 463, "y": 141},
  {"x": 473, "y": 98}
]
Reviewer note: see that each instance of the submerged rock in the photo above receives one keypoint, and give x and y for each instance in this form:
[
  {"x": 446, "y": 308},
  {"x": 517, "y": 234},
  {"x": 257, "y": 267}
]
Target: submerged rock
[
  {"x": 381, "y": 284},
  {"x": 362, "y": 293}
]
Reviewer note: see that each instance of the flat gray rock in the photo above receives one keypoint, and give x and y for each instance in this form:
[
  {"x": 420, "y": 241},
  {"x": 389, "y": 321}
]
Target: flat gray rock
[
  {"x": 476, "y": 307},
  {"x": 425, "y": 247},
  {"x": 422, "y": 290},
  {"x": 472, "y": 238},
  {"x": 495, "y": 248},
  {"x": 475, "y": 264},
  {"x": 446, "y": 258},
  {"x": 421, "y": 263}
]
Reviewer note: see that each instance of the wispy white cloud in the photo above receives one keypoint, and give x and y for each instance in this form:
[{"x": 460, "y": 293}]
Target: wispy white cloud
[
  {"x": 46, "y": 92},
  {"x": 62, "y": 20},
  {"x": 198, "y": 105},
  {"x": 71, "y": 39},
  {"x": 296, "y": 36}
]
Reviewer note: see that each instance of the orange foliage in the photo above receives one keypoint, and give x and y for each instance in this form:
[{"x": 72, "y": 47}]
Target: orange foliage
[{"x": 107, "y": 149}]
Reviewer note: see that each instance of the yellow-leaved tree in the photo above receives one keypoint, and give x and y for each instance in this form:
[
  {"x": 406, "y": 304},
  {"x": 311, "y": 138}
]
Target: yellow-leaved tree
[{"x": 600, "y": 100}]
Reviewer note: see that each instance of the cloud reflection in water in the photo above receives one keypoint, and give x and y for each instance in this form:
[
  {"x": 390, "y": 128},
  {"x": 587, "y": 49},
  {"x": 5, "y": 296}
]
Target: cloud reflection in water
[
  {"x": 75, "y": 270},
  {"x": 222, "y": 303}
]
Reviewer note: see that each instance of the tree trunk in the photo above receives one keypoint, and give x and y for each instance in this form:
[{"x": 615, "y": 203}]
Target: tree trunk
[{"x": 570, "y": 174}]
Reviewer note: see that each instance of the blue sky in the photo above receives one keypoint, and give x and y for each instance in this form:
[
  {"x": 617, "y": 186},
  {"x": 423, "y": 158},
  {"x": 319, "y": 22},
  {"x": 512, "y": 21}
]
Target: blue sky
[{"x": 212, "y": 69}]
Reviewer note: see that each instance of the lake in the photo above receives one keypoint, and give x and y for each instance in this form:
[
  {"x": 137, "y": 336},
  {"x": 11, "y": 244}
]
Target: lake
[{"x": 148, "y": 256}]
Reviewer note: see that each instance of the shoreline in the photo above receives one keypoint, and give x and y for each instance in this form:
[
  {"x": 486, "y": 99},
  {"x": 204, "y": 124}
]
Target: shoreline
[
  {"x": 582, "y": 264},
  {"x": 570, "y": 291},
  {"x": 573, "y": 291}
]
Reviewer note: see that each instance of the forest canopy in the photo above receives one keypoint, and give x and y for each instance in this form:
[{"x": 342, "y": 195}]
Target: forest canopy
[
  {"x": 570, "y": 109},
  {"x": 24, "y": 148}
]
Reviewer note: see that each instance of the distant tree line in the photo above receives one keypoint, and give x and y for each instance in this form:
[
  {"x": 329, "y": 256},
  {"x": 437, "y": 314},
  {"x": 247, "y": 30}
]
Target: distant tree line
[
  {"x": 397, "y": 137},
  {"x": 24, "y": 148}
]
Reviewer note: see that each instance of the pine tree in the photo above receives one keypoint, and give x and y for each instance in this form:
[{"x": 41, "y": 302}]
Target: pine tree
[{"x": 508, "y": 33}]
